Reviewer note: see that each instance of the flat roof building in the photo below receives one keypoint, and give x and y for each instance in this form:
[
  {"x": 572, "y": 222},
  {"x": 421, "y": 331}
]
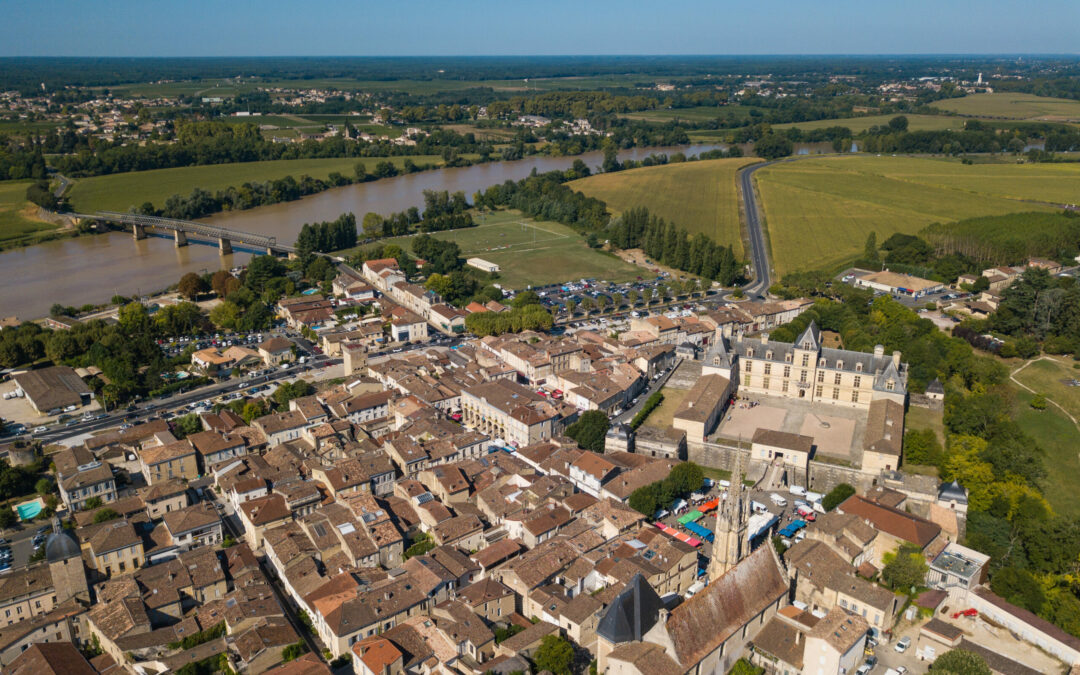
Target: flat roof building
[{"x": 53, "y": 388}]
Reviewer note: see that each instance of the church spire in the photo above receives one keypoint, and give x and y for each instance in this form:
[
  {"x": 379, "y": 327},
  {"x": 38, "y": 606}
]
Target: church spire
[{"x": 730, "y": 544}]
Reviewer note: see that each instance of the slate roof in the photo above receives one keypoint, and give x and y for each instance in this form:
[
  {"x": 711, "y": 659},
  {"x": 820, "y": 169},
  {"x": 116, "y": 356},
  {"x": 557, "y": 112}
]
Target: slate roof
[{"x": 633, "y": 612}]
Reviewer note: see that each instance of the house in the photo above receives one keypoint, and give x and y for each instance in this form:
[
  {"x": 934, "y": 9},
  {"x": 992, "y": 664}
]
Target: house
[
  {"x": 81, "y": 477},
  {"x": 447, "y": 319},
  {"x": 884, "y": 436},
  {"x": 895, "y": 527},
  {"x": 507, "y": 410},
  {"x": 50, "y": 658},
  {"x": 276, "y": 350},
  {"x": 262, "y": 514},
  {"x": 794, "y": 450},
  {"x": 163, "y": 497},
  {"x": 169, "y": 460},
  {"x": 213, "y": 447},
  {"x": 51, "y": 390},
  {"x": 281, "y": 427},
  {"x": 489, "y": 599},
  {"x": 194, "y": 526},
  {"x": 408, "y": 327},
  {"x": 115, "y": 549}
]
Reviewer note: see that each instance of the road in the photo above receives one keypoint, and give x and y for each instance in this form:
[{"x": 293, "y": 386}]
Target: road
[
  {"x": 759, "y": 254},
  {"x": 653, "y": 387}
]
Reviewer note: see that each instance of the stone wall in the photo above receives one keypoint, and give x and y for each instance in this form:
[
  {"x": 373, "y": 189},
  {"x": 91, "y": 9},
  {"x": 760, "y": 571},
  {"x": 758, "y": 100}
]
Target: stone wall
[{"x": 823, "y": 477}]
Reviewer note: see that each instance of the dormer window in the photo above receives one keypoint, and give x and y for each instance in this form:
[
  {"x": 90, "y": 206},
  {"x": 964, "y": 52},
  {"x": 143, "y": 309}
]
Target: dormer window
[
  {"x": 889, "y": 385},
  {"x": 822, "y": 363},
  {"x": 787, "y": 358},
  {"x": 839, "y": 365},
  {"x": 858, "y": 367},
  {"x": 716, "y": 360},
  {"x": 806, "y": 345},
  {"x": 750, "y": 353},
  {"x": 768, "y": 354}
]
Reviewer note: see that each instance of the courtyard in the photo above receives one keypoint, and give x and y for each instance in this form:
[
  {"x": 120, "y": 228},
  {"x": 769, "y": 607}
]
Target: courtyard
[{"x": 837, "y": 430}]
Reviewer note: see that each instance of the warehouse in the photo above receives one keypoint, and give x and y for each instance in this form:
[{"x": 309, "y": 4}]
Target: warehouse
[{"x": 50, "y": 390}]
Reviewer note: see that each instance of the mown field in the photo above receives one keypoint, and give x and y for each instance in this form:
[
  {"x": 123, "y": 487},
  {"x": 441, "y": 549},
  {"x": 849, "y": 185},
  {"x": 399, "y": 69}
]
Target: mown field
[
  {"x": 15, "y": 223},
  {"x": 664, "y": 414},
  {"x": 819, "y": 211},
  {"x": 1055, "y": 433},
  {"x": 860, "y": 124},
  {"x": 119, "y": 191},
  {"x": 1013, "y": 105},
  {"x": 532, "y": 252},
  {"x": 699, "y": 196}
]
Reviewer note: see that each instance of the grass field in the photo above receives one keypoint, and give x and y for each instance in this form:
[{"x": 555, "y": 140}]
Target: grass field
[
  {"x": 1011, "y": 105},
  {"x": 925, "y": 418},
  {"x": 860, "y": 124},
  {"x": 15, "y": 223},
  {"x": 819, "y": 211},
  {"x": 119, "y": 191},
  {"x": 698, "y": 114},
  {"x": 700, "y": 196},
  {"x": 664, "y": 413},
  {"x": 531, "y": 252}
]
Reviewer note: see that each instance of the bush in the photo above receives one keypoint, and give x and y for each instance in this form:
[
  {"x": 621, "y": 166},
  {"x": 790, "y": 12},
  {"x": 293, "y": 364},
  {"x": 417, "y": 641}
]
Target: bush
[
  {"x": 837, "y": 496},
  {"x": 421, "y": 544},
  {"x": 960, "y": 662},
  {"x": 654, "y": 401},
  {"x": 555, "y": 654},
  {"x": 1038, "y": 401},
  {"x": 590, "y": 430}
]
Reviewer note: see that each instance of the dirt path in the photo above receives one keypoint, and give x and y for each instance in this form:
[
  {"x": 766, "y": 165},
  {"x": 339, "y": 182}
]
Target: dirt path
[{"x": 1012, "y": 376}]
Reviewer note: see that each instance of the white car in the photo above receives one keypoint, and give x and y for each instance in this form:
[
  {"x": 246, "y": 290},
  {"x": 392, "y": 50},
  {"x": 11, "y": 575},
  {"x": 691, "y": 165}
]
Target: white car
[{"x": 903, "y": 644}]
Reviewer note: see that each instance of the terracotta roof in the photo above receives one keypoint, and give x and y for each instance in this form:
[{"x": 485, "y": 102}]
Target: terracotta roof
[
  {"x": 268, "y": 509},
  {"x": 164, "y": 453},
  {"x": 58, "y": 658},
  {"x": 840, "y": 630},
  {"x": 779, "y": 638},
  {"x": 646, "y": 658},
  {"x": 899, "y": 524},
  {"x": 308, "y": 664},
  {"x": 782, "y": 439}
]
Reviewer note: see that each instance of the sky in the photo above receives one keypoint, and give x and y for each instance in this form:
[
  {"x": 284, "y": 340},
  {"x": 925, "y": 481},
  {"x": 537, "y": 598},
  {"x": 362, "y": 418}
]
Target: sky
[{"x": 544, "y": 27}]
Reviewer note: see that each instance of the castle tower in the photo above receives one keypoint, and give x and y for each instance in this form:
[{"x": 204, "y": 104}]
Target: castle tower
[{"x": 730, "y": 543}]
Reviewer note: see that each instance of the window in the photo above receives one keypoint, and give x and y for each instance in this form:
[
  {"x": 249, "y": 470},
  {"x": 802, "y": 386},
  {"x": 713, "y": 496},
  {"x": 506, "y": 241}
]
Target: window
[
  {"x": 787, "y": 371},
  {"x": 821, "y": 376},
  {"x": 854, "y": 397},
  {"x": 768, "y": 368},
  {"x": 783, "y": 387},
  {"x": 817, "y": 391},
  {"x": 768, "y": 355},
  {"x": 840, "y": 364},
  {"x": 802, "y": 376},
  {"x": 748, "y": 381},
  {"x": 843, "y": 603},
  {"x": 836, "y": 379},
  {"x": 787, "y": 358},
  {"x": 765, "y": 382},
  {"x": 858, "y": 381},
  {"x": 835, "y": 393},
  {"x": 750, "y": 353},
  {"x": 889, "y": 385},
  {"x": 805, "y": 360},
  {"x": 858, "y": 367}
]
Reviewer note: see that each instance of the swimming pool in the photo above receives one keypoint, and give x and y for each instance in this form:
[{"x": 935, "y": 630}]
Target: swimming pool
[{"x": 29, "y": 510}]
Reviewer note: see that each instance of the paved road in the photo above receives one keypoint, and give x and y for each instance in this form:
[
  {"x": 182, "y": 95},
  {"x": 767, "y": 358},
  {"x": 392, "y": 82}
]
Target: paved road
[
  {"x": 759, "y": 255},
  {"x": 653, "y": 387}
]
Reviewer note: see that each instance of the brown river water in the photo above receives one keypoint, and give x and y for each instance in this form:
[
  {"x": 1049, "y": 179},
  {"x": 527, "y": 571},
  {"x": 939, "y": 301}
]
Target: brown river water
[{"x": 91, "y": 269}]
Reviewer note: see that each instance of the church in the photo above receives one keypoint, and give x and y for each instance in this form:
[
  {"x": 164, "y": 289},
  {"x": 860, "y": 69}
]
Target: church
[{"x": 638, "y": 635}]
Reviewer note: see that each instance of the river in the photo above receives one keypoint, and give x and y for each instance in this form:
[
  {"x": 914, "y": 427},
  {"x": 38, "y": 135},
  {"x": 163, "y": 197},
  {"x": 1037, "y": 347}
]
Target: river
[{"x": 91, "y": 269}]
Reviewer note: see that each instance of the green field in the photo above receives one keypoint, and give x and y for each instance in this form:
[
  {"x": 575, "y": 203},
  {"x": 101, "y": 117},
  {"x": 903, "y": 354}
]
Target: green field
[
  {"x": 532, "y": 252},
  {"x": 16, "y": 225},
  {"x": 117, "y": 192},
  {"x": 662, "y": 416},
  {"x": 860, "y": 124},
  {"x": 1011, "y": 105},
  {"x": 698, "y": 114},
  {"x": 819, "y": 211},
  {"x": 700, "y": 196}
]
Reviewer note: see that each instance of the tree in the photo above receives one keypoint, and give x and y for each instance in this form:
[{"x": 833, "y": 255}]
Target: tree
[
  {"x": 7, "y": 518},
  {"x": 555, "y": 654},
  {"x": 590, "y": 430},
  {"x": 870, "y": 252},
  {"x": 960, "y": 662},
  {"x": 744, "y": 667},
  {"x": 44, "y": 486},
  {"x": 773, "y": 146},
  {"x": 105, "y": 515},
  {"x": 191, "y": 286},
  {"x": 837, "y": 495},
  {"x": 898, "y": 124},
  {"x": 186, "y": 425},
  {"x": 293, "y": 651},
  {"x": 904, "y": 569},
  {"x": 92, "y": 503}
]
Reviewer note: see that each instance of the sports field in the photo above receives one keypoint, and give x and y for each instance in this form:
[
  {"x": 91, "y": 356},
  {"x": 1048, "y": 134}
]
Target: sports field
[
  {"x": 860, "y": 124},
  {"x": 532, "y": 252},
  {"x": 16, "y": 225},
  {"x": 117, "y": 192},
  {"x": 699, "y": 196},
  {"x": 1012, "y": 105},
  {"x": 819, "y": 211}
]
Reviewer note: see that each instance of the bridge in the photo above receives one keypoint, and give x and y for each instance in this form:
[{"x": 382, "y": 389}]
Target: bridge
[{"x": 181, "y": 229}]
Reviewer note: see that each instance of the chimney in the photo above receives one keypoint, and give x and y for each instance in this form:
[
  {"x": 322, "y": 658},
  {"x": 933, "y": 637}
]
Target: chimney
[
  {"x": 879, "y": 351},
  {"x": 764, "y": 338},
  {"x": 798, "y": 636},
  {"x": 896, "y": 359}
]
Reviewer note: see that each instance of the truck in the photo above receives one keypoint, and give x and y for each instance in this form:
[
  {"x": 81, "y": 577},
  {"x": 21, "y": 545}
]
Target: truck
[{"x": 777, "y": 499}]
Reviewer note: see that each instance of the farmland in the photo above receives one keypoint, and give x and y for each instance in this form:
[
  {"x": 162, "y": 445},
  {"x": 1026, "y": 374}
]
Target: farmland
[
  {"x": 860, "y": 124},
  {"x": 16, "y": 225},
  {"x": 698, "y": 114},
  {"x": 1012, "y": 105},
  {"x": 700, "y": 196},
  {"x": 532, "y": 252},
  {"x": 119, "y": 191},
  {"x": 819, "y": 211}
]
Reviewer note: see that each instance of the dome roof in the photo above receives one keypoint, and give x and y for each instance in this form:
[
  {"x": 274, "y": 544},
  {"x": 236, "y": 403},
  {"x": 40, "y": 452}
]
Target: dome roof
[
  {"x": 953, "y": 492},
  {"x": 61, "y": 545}
]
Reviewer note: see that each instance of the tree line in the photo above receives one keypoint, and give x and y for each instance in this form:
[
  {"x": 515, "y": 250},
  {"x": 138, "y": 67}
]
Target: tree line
[
  {"x": 327, "y": 236},
  {"x": 672, "y": 246}
]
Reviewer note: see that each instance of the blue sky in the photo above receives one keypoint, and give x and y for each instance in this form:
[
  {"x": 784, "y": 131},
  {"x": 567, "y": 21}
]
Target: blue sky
[{"x": 468, "y": 27}]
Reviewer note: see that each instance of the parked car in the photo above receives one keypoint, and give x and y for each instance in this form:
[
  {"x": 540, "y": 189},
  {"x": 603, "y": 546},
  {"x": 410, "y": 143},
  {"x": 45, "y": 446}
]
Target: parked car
[{"x": 903, "y": 644}]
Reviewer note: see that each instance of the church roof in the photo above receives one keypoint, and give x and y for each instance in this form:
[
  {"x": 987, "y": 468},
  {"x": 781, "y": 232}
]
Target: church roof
[
  {"x": 632, "y": 613},
  {"x": 61, "y": 545}
]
